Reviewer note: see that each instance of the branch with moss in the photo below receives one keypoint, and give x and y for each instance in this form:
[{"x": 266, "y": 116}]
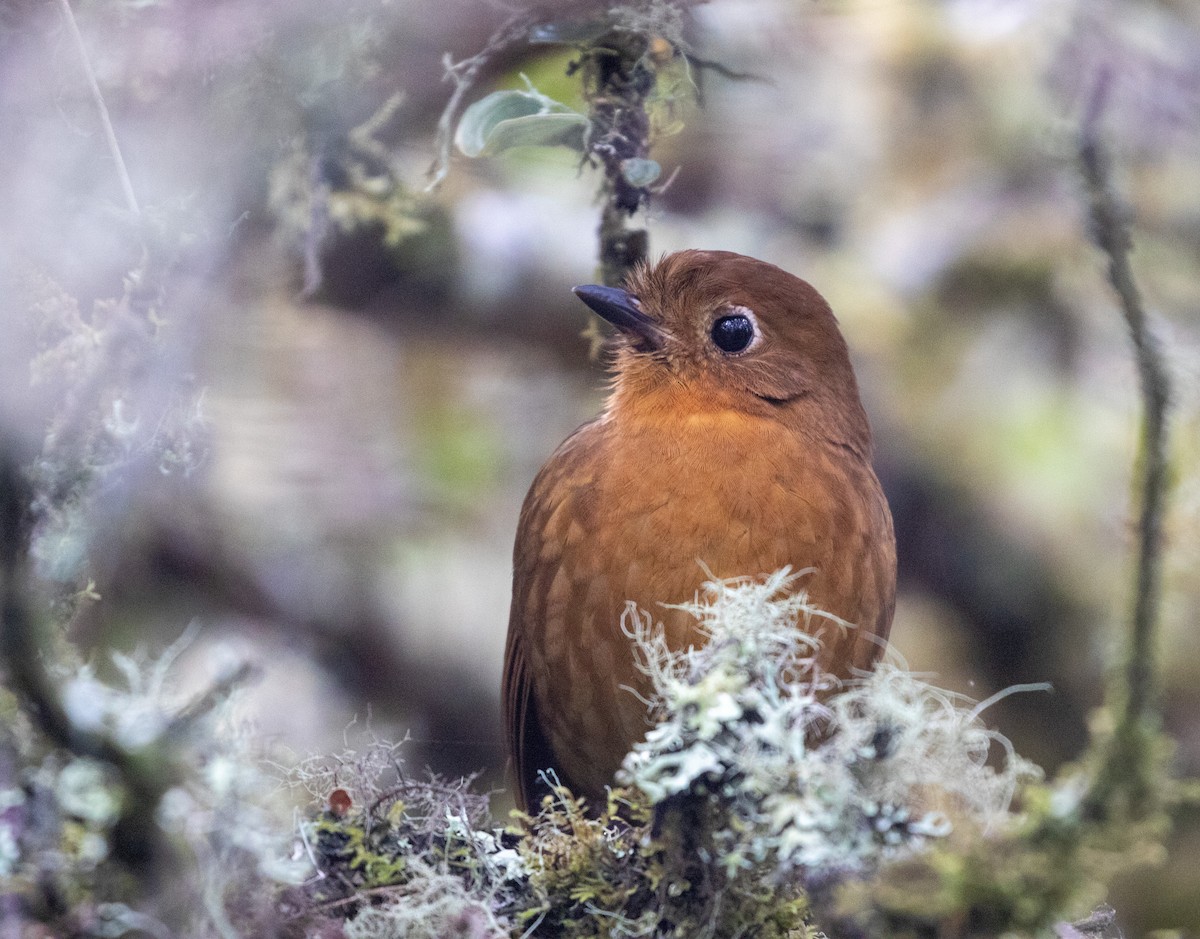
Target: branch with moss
[
  {"x": 145, "y": 772},
  {"x": 756, "y": 806},
  {"x": 618, "y": 81},
  {"x": 621, "y": 54},
  {"x": 60, "y": 721},
  {"x": 1134, "y": 694},
  {"x": 137, "y": 840},
  {"x": 1113, "y": 810}
]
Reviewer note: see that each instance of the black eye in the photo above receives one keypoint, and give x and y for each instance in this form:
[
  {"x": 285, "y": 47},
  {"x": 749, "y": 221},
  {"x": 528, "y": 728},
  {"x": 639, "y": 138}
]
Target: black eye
[{"x": 733, "y": 333}]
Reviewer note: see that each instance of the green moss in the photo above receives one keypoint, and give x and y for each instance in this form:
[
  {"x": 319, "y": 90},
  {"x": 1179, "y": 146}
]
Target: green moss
[
  {"x": 637, "y": 870},
  {"x": 369, "y": 861}
]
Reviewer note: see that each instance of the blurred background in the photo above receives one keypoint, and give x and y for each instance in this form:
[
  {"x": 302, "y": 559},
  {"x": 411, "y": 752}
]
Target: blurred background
[{"x": 299, "y": 397}]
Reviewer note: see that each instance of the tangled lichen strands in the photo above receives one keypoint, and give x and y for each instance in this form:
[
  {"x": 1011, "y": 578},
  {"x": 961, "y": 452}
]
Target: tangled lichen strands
[
  {"x": 913, "y": 738},
  {"x": 901, "y": 762},
  {"x": 661, "y": 18}
]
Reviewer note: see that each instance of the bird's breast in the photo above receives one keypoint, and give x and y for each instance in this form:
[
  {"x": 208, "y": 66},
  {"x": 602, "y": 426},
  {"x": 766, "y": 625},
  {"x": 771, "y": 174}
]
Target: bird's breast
[{"x": 641, "y": 515}]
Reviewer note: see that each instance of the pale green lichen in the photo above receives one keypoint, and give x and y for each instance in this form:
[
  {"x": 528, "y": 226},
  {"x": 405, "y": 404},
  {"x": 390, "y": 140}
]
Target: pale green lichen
[
  {"x": 61, "y": 833},
  {"x": 761, "y": 804},
  {"x": 740, "y": 717}
]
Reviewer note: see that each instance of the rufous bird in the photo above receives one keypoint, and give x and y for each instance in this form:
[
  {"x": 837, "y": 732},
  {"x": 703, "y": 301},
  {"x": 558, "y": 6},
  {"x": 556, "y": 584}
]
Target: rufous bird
[{"x": 733, "y": 443}]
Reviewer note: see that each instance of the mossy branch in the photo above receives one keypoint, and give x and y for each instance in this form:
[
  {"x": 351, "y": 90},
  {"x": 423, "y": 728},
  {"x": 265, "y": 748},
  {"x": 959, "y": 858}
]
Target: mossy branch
[
  {"x": 146, "y": 775},
  {"x": 618, "y": 81},
  {"x": 1136, "y": 691},
  {"x": 620, "y": 54},
  {"x": 137, "y": 839}
]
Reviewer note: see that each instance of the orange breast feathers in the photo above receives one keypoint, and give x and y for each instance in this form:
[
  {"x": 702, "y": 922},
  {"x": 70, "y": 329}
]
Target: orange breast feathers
[{"x": 733, "y": 443}]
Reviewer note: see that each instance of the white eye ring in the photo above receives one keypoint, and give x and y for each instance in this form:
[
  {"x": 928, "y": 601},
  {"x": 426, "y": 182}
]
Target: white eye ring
[{"x": 735, "y": 331}]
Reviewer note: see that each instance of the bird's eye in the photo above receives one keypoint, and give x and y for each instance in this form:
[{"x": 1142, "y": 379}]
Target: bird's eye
[{"x": 733, "y": 333}]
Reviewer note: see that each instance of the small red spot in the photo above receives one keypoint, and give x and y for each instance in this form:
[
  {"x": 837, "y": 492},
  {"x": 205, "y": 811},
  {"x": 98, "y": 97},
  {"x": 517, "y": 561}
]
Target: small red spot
[{"x": 339, "y": 802}]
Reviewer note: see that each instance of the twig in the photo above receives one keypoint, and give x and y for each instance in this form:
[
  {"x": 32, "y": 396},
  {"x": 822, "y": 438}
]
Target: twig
[
  {"x": 357, "y": 897},
  {"x": 204, "y": 704},
  {"x": 147, "y": 773},
  {"x": 1110, "y": 229},
  {"x": 1124, "y": 779},
  {"x": 105, "y": 121},
  {"x": 463, "y": 74},
  {"x": 725, "y": 71}
]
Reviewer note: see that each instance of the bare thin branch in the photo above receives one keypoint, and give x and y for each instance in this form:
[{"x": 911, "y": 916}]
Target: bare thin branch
[
  {"x": 463, "y": 74},
  {"x": 1110, "y": 230},
  {"x": 212, "y": 698},
  {"x": 105, "y": 121}
]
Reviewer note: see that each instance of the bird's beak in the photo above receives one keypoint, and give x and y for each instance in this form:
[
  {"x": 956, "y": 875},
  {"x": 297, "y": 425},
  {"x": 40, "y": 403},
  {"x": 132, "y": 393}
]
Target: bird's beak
[{"x": 623, "y": 311}]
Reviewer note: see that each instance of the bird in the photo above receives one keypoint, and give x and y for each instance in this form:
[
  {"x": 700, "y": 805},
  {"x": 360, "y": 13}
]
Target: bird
[{"x": 733, "y": 442}]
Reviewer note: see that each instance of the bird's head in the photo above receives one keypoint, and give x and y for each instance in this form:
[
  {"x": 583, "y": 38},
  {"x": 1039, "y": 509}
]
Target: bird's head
[{"x": 718, "y": 331}]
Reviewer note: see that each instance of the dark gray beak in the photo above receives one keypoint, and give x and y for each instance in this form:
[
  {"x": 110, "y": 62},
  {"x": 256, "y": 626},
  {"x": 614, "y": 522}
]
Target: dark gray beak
[{"x": 622, "y": 310}]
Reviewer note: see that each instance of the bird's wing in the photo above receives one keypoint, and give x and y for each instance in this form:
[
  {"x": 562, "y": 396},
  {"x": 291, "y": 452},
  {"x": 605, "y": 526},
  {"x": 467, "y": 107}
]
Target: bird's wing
[
  {"x": 528, "y": 747},
  {"x": 530, "y": 750},
  {"x": 520, "y": 717}
]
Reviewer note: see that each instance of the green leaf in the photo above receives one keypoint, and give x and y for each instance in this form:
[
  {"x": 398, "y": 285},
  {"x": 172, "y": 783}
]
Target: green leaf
[
  {"x": 504, "y": 120},
  {"x": 640, "y": 172},
  {"x": 574, "y": 32}
]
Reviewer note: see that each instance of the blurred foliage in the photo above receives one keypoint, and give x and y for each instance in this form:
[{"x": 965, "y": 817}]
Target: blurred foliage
[
  {"x": 349, "y": 197},
  {"x": 68, "y": 858}
]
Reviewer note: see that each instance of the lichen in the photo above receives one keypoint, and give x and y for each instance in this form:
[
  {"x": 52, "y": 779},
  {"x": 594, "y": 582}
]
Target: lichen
[
  {"x": 396, "y": 855},
  {"x": 753, "y": 789},
  {"x": 64, "y": 857},
  {"x": 761, "y": 804},
  {"x": 819, "y": 785}
]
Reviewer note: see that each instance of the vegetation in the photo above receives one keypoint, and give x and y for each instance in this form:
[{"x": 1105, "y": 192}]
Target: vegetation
[{"x": 135, "y": 797}]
